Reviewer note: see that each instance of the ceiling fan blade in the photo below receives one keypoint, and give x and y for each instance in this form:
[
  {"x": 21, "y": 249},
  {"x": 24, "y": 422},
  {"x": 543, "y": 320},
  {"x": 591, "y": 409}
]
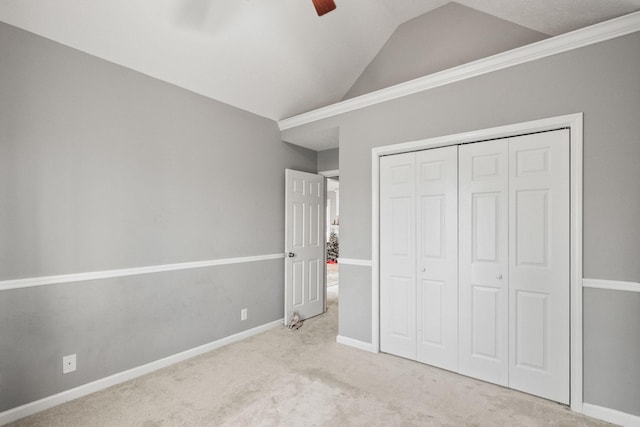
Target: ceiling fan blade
[{"x": 324, "y": 6}]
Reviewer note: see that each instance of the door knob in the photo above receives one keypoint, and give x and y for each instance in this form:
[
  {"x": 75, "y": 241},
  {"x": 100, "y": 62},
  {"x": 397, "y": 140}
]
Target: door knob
[
  {"x": 498, "y": 276},
  {"x": 424, "y": 269},
  {"x": 290, "y": 254}
]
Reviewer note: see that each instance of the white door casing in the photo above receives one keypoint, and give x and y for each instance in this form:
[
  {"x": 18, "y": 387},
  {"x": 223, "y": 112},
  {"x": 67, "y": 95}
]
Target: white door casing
[
  {"x": 484, "y": 274},
  {"x": 398, "y": 249},
  {"x": 437, "y": 256},
  {"x": 304, "y": 291},
  {"x": 539, "y": 258}
]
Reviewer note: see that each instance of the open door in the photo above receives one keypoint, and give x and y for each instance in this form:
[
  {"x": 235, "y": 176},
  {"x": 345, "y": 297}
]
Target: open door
[{"x": 304, "y": 291}]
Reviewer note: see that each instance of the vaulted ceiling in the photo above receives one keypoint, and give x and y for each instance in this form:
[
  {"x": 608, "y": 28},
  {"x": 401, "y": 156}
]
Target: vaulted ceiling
[{"x": 275, "y": 58}]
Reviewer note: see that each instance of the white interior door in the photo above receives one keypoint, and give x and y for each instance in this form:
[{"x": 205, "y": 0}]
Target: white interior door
[
  {"x": 304, "y": 244},
  {"x": 437, "y": 256},
  {"x": 484, "y": 274},
  {"x": 539, "y": 264},
  {"x": 398, "y": 252}
]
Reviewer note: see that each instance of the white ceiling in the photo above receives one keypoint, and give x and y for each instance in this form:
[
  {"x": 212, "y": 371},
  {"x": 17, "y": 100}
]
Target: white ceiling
[{"x": 275, "y": 58}]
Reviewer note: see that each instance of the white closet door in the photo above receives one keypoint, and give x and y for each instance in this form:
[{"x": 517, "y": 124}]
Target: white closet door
[
  {"x": 539, "y": 264},
  {"x": 437, "y": 257},
  {"x": 484, "y": 275},
  {"x": 398, "y": 255}
]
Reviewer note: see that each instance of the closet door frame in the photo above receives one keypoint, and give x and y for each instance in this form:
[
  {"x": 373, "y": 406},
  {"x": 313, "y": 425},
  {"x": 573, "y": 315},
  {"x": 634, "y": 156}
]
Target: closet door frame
[{"x": 574, "y": 123}]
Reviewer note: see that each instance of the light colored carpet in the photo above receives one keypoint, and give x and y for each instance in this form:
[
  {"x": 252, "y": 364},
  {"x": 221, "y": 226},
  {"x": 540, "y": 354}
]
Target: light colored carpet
[
  {"x": 304, "y": 378},
  {"x": 333, "y": 274}
]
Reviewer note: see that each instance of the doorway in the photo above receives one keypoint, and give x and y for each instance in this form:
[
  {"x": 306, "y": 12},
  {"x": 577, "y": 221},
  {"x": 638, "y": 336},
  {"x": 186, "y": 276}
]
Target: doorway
[
  {"x": 332, "y": 238},
  {"x": 332, "y": 235}
]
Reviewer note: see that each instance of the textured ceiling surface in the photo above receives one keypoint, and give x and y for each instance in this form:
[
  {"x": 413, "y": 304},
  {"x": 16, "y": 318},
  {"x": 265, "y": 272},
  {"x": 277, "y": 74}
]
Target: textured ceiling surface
[{"x": 275, "y": 58}]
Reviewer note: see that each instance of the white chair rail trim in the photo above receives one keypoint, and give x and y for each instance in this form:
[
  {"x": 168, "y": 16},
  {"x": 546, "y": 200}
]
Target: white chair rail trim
[
  {"x": 613, "y": 285},
  {"x": 353, "y": 261},
  {"x": 123, "y": 272}
]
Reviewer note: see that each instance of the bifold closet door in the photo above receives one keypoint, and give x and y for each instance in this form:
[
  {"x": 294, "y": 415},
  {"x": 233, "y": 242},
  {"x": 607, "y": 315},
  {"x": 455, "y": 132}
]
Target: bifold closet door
[
  {"x": 539, "y": 263},
  {"x": 398, "y": 255},
  {"x": 418, "y": 251},
  {"x": 484, "y": 267},
  {"x": 514, "y": 263},
  {"x": 437, "y": 255}
]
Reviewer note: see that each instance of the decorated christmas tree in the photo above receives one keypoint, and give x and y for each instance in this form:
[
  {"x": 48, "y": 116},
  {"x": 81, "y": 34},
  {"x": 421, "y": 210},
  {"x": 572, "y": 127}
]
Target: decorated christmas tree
[{"x": 332, "y": 247}]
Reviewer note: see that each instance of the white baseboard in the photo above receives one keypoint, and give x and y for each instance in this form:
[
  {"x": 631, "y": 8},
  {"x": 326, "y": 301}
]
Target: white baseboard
[
  {"x": 611, "y": 415},
  {"x": 94, "y": 386},
  {"x": 361, "y": 345}
]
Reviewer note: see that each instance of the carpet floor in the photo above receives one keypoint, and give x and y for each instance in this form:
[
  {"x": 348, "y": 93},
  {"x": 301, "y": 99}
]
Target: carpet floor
[
  {"x": 304, "y": 378},
  {"x": 333, "y": 275}
]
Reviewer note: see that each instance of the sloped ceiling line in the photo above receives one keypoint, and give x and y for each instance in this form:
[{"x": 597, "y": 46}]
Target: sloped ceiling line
[
  {"x": 584, "y": 37},
  {"x": 274, "y": 58}
]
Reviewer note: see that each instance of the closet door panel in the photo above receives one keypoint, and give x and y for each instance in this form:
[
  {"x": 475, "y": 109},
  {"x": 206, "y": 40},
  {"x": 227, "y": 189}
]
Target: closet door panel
[
  {"x": 475, "y": 260},
  {"x": 398, "y": 255},
  {"x": 539, "y": 264},
  {"x": 437, "y": 256},
  {"x": 483, "y": 264}
]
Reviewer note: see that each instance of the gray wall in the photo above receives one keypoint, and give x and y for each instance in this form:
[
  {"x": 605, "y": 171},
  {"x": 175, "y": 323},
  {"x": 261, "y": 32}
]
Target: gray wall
[
  {"x": 105, "y": 168},
  {"x": 443, "y": 38},
  {"x": 602, "y": 81},
  {"x": 355, "y": 284},
  {"x": 609, "y": 355},
  {"x": 328, "y": 160}
]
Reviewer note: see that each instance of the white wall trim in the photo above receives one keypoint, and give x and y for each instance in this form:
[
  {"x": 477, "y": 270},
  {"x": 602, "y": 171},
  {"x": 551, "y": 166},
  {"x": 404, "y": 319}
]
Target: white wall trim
[
  {"x": 571, "y": 121},
  {"x": 575, "y": 123},
  {"x": 565, "y": 42},
  {"x": 611, "y": 415},
  {"x": 331, "y": 173},
  {"x": 94, "y": 386},
  {"x": 360, "y": 345},
  {"x": 614, "y": 285},
  {"x": 353, "y": 261},
  {"x": 106, "y": 274}
]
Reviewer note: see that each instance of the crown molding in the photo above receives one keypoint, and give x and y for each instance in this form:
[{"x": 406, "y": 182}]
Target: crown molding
[{"x": 597, "y": 33}]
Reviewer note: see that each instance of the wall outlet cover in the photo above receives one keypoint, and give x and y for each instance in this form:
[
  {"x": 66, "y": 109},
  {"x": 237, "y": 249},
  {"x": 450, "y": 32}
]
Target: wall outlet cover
[{"x": 68, "y": 363}]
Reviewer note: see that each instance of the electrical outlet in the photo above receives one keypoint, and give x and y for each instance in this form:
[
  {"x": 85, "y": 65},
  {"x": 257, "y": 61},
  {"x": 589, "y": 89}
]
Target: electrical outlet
[
  {"x": 68, "y": 363},
  {"x": 243, "y": 314}
]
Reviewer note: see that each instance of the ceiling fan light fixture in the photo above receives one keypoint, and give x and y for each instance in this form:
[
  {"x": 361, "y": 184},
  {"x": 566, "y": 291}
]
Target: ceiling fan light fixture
[{"x": 324, "y": 6}]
